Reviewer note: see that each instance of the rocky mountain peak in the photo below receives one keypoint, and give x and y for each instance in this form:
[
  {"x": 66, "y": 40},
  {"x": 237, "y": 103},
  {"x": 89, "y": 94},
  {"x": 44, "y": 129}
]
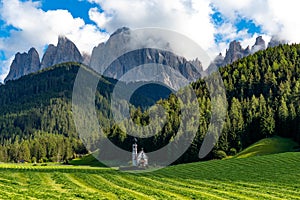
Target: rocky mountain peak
[
  {"x": 197, "y": 64},
  {"x": 65, "y": 51},
  {"x": 32, "y": 51},
  {"x": 234, "y": 52},
  {"x": 260, "y": 44},
  {"x": 125, "y": 30},
  {"x": 235, "y": 46},
  {"x": 247, "y": 50},
  {"x": 138, "y": 54},
  {"x": 260, "y": 41},
  {"x": 62, "y": 39},
  {"x": 24, "y": 64},
  {"x": 219, "y": 60}
]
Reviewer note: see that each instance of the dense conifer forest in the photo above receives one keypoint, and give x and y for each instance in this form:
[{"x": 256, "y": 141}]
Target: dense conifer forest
[{"x": 36, "y": 122}]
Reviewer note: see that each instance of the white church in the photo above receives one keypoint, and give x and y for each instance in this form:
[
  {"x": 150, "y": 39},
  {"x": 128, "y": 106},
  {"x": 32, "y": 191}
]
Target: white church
[{"x": 139, "y": 159}]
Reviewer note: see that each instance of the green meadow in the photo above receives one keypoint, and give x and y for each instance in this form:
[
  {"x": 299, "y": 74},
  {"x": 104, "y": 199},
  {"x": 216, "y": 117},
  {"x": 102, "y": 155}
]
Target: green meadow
[{"x": 261, "y": 177}]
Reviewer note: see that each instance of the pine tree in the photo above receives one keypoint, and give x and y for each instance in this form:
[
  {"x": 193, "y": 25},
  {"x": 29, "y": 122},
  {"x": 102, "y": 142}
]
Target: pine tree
[{"x": 237, "y": 123}]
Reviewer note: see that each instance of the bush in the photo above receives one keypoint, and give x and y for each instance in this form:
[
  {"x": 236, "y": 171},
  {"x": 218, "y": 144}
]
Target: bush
[
  {"x": 33, "y": 160},
  {"x": 232, "y": 152},
  {"x": 220, "y": 154},
  {"x": 45, "y": 159}
]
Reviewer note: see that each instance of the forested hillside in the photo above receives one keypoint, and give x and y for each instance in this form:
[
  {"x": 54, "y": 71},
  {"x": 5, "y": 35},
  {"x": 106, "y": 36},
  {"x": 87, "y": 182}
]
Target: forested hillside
[
  {"x": 36, "y": 120},
  {"x": 263, "y": 96},
  {"x": 262, "y": 93}
]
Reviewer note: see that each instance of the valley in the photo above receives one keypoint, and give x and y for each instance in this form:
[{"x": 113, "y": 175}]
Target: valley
[{"x": 256, "y": 157}]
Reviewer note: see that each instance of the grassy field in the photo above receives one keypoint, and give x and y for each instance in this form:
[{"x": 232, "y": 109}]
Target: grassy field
[
  {"x": 268, "y": 146},
  {"x": 262, "y": 177},
  {"x": 87, "y": 160}
]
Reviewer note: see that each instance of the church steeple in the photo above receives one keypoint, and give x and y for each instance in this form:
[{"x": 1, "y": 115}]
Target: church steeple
[
  {"x": 134, "y": 154},
  {"x": 138, "y": 159}
]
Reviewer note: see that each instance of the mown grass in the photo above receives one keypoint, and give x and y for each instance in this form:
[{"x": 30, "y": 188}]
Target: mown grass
[
  {"x": 263, "y": 177},
  {"x": 87, "y": 160},
  {"x": 268, "y": 146}
]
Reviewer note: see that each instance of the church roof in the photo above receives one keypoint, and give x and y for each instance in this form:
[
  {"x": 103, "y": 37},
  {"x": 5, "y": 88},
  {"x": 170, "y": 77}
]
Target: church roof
[{"x": 142, "y": 154}]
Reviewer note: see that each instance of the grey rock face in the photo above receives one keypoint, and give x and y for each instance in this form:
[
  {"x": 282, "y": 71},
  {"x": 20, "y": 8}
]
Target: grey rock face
[
  {"x": 86, "y": 59},
  {"x": 235, "y": 52},
  {"x": 65, "y": 51},
  {"x": 24, "y": 64},
  {"x": 216, "y": 64},
  {"x": 117, "y": 43},
  {"x": 219, "y": 60},
  {"x": 152, "y": 56},
  {"x": 143, "y": 63},
  {"x": 121, "y": 31},
  {"x": 260, "y": 44},
  {"x": 49, "y": 56}
]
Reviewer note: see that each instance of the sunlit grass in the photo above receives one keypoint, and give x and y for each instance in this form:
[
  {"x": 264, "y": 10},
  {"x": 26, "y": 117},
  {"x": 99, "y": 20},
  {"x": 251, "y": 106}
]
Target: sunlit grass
[
  {"x": 261, "y": 177},
  {"x": 269, "y": 146}
]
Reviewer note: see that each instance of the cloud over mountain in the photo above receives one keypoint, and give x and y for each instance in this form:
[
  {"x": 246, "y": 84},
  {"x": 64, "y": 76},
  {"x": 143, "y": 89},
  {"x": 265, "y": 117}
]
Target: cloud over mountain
[
  {"x": 279, "y": 18},
  {"x": 34, "y": 27},
  {"x": 197, "y": 19}
]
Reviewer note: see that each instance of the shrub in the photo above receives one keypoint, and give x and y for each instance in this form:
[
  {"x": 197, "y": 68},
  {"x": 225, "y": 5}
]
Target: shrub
[
  {"x": 45, "y": 159},
  {"x": 232, "y": 152},
  {"x": 220, "y": 154},
  {"x": 33, "y": 160}
]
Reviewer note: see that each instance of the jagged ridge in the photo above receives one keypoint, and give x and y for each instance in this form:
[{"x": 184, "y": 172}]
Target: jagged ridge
[{"x": 26, "y": 63}]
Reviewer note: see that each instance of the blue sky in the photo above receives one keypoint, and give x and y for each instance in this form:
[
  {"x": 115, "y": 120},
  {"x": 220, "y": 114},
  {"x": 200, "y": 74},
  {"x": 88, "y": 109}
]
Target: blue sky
[
  {"x": 81, "y": 9},
  {"x": 211, "y": 23},
  {"x": 76, "y": 8},
  {"x": 240, "y": 24}
]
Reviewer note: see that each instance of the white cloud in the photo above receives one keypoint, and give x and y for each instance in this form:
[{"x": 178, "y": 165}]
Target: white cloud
[
  {"x": 229, "y": 33},
  {"x": 5, "y": 68},
  {"x": 275, "y": 17},
  {"x": 190, "y": 17},
  {"x": 100, "y": 18},
  {"x": 37, "y": 28}
]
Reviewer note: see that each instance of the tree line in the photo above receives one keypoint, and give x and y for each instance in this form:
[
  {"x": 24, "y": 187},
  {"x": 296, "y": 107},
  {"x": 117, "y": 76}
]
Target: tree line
[{"x": 262, "y": 91}]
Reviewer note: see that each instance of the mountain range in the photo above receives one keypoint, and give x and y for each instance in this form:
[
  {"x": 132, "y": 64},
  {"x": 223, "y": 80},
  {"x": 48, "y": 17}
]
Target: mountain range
[
  {"x": 236, "y": 51},
  {"x": 66, "y": 51},
  {"x": 26, "y": 63}
]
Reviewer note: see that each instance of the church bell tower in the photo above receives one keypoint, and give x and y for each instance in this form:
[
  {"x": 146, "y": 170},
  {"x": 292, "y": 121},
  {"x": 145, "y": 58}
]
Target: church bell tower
[{"x": 134, "y": 154}]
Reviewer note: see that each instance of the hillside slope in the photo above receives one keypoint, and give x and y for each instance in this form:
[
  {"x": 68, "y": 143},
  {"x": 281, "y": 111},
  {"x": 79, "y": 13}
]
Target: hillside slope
[
  {"x": 269, "y": 146},
  {"x": 36, "y": 122}
]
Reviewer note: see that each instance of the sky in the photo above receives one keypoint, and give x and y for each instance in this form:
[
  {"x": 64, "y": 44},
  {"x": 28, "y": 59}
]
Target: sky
[{"x": 210, "y": 23}]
